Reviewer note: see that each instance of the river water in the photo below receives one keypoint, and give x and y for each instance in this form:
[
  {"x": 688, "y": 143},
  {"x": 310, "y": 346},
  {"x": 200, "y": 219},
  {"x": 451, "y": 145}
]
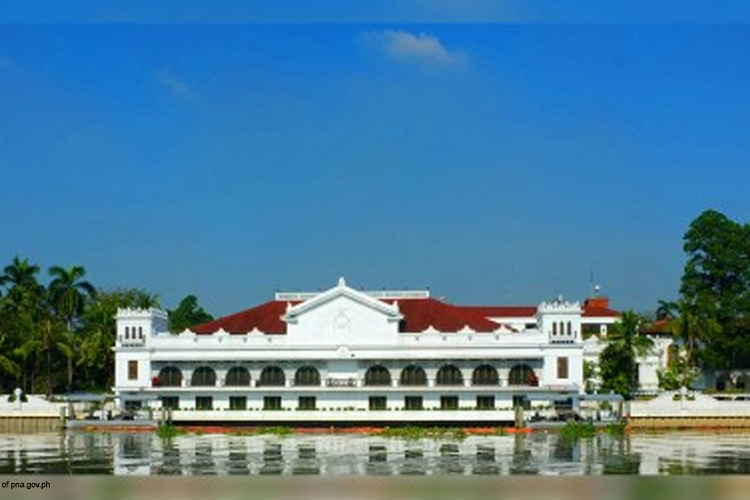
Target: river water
[{"x": 346, "y": 455}]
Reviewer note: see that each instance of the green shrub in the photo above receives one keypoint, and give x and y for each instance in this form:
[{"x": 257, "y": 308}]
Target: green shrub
[
  {"x": 278, "y": 430},
  {"x": 168, "y": 431},
  {"x": 615, "y": 429},
  {"x": 577, "y": 430},
  {"x": 414, "y": 432}
]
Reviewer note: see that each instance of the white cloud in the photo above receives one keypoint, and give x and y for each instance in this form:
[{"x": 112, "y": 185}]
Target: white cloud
[
  {"x": 408, "y": 46},
  {"x": 176, "y": 86}
]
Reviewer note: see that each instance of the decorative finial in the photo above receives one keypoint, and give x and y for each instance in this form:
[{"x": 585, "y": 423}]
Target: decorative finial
[{"x": 342, "y": 282}]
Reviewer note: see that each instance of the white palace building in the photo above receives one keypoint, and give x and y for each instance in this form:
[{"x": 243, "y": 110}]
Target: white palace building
[{"x": 357, "y": 357}]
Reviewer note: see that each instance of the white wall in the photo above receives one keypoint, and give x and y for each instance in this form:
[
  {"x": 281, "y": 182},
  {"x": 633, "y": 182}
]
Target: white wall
[
  {"x": 144, "y": 369},
  {"x": 344, "y": 321}
]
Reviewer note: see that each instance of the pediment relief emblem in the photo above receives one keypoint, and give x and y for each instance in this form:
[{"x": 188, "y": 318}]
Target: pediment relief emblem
[{"x": 341, "y": 318}]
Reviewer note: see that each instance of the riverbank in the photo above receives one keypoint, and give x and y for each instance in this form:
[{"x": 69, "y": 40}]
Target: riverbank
[
  {"x": 35, "y": 414},
  {"x": 688, "y": 410},
  {"x": 689, "y": 423}
]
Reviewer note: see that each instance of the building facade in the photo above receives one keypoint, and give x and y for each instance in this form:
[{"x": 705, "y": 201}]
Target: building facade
[{"x": 350, "y": 356}]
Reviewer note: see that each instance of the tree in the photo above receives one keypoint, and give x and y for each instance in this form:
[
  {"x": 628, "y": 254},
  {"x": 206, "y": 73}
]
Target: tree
[
  {"x": 19, "y": 277},
  {"x": 7, "y": 365},
  {"x": 692, "y": 326},
  {"x": 19, "y": 273},
  {"x": 717, "y": 279},
  {"x": 96, "y": 358},
  {"x": 51, "y": 337},
  {"x": 665, "y": 310},
  {"x": 590, "y": 375},
  {"x": 677, "y": 374},
  {"x": 20, "y": 310},
  {"x": 187, "y": 314},
  {"x": 618, "y": 362},
  {"x": 69, "y": 293}
]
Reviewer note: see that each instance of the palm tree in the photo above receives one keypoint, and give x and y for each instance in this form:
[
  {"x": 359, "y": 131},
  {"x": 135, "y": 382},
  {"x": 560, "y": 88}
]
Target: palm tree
[
  {"x": 146, "y": 300},
  {"x": 27, "y": 347},
  {"x": 52, "y": 336},
  {"x": 19, "y": 272},
  {"x": 665, "y": 309},
  {"x": 7, "y": 365},
  {"x": 96, "y": 359},
  {"x": 19, "y": 277},
  {"x": 619, "y": 360},
  {"x": 21, "y": 307},
  {"x": 692, "y": 325},
  {"x": 69, "y": 294}
]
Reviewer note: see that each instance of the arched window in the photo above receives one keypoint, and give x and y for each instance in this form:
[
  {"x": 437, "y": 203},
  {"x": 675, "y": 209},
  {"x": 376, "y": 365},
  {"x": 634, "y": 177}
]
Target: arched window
[
  {"x": 204, "y": 376},
  {"x": 272, "y": 376},
  {"x": 377, "y": 375},
  {"x": 237, "y": 376},
  {"x": 449, "y": 375},
  {"x": 554, "y": 328},
  {"x": 484, "y": 375},
  {"x": 170, "y": 376},
  {"x": 127, "y": 333},
  {"x": 307, "y": 375},
  {"x": 522, "y": 375},
  {"x": 413, "y": 375},
  {"x": 570, "y": 328}
]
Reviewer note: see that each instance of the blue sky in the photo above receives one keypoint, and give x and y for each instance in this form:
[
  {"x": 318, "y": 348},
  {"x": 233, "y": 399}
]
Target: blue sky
[
  {"x": 495, "y": 163},
  {"x": 374, "y": 11}
]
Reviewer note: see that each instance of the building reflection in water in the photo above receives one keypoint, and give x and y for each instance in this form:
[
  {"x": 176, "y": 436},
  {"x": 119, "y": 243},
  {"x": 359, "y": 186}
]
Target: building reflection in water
[
  {"x": 377, "y": 461},
  {"x": 237, "y": 459},
  {"x": 203, "y": 458},
  {"x": 272, "y": 459},
  {"x": 449, "y": 461},
  {"x": 413, "y": 463},
  {"x": 307, "y": 461},
  {"x": 134, "y": 452},
  {"x": 521, "y": 460},
  {"x": 485, "y": 463},
  {"x": 352, "y": 455},
  {"x": 170, "y": 459}
]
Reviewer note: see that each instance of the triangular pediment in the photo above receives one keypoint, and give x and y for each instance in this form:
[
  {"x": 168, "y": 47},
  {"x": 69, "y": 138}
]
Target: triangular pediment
[{"x": 335, "y": 294}]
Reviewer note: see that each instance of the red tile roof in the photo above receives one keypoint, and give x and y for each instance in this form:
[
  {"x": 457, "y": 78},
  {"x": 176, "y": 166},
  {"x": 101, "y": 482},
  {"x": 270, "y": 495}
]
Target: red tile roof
[
  {"x": 419, "y": 315},
  {"x": 658, "y": 327},
  {"x": 505, "y": 311},
  {"x": 598, "y": 307},
  {"x": 589, "y": 311},
  {"x": 265, "y": 317}
]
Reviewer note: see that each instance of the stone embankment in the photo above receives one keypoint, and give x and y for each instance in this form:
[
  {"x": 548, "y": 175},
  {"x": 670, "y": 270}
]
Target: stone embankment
[
  {"x": 688, "y": 410},
  {"x": 34, "y": 415}
]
